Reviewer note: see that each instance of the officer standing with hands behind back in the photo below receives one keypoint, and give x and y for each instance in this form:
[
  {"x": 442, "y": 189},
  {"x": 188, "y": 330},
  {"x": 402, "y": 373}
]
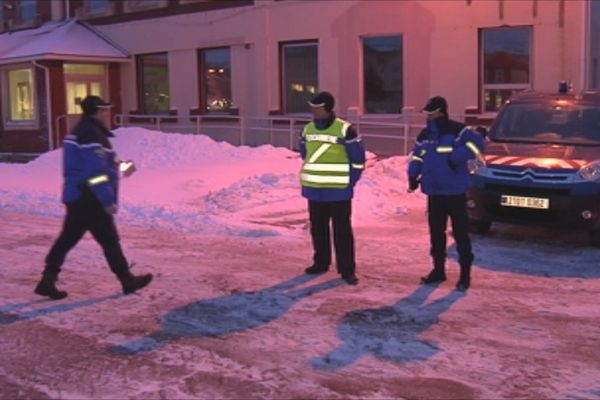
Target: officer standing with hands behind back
[
  {"x": 439, "y": 165},
  {"x": 91, "y": 173},
  {"x": 334, "y": 159}
]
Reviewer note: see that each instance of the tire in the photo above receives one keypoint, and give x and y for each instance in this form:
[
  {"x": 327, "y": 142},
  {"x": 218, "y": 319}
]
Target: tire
[
  {"x": 594, "y": 238},
  {"x": 479, "y": 227}
]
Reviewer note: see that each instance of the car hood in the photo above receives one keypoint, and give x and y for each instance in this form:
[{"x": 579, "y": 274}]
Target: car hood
[{"x": 550, "y": 156}]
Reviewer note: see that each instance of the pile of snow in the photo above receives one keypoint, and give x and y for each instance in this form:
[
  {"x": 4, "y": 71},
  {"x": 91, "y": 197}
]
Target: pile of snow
[{"x": 192, "y": 183}]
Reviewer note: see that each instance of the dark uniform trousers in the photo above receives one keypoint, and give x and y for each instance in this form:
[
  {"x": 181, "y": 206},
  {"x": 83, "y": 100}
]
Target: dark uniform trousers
[
  {"x": 439, "y": 208},
  {"x": 339, "y": 213},
  {"x": 87, "y": 214}
]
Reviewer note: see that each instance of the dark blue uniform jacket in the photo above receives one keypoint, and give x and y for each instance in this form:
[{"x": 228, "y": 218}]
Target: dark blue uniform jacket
[
  {"x": 89, "y": 163},
  {"x": 440, "y": 155}
]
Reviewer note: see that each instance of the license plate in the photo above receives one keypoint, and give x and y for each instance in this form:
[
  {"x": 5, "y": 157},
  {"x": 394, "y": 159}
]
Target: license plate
[{"x": 525, "y": 202}]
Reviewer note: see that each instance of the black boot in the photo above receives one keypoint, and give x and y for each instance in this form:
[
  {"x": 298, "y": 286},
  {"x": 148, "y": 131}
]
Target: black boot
[
  {"x": 437, "y": 274},
  {"x": 315, "y": 269},
  {"x": 464, "y": 281},
  {"x": 132, "y": 283},
  {"x": 47, "y": 287}
]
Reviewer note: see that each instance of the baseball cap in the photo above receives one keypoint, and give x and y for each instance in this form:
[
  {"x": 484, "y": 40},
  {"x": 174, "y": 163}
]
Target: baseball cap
[
  {"x": 323, "y": 99},
  {"x": 436, "y": 104},
  {"x": 91, "y": 104}
]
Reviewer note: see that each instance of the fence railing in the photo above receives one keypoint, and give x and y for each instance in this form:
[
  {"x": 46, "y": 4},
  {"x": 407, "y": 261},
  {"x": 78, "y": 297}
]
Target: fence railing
[{"x": 381, "y": 137}]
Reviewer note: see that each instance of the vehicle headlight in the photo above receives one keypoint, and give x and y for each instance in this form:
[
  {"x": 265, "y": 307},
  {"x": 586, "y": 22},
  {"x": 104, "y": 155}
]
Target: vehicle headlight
[
  {"x": 590, "y": 172},
  {"x": 476, "y": 165}
]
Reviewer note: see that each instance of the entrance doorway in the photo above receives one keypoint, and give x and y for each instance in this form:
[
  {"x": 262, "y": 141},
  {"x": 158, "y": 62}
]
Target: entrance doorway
[{"x": 82, "y": 80}]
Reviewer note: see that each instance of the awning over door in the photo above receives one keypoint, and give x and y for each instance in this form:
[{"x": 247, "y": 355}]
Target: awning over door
[{"x": 70, "y": 40}]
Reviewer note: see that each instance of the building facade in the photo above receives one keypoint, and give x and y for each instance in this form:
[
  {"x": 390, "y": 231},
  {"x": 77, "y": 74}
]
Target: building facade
[{"x": 260, "y": 58}]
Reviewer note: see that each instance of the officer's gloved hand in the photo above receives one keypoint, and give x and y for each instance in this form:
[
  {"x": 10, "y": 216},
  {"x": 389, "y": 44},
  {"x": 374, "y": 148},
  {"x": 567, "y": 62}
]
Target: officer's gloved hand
[{"x": 413, "y": 184}]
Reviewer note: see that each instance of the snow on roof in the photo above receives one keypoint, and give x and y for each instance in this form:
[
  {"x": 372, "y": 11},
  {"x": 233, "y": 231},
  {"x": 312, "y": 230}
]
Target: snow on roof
[{"x": 70, "y": 39}]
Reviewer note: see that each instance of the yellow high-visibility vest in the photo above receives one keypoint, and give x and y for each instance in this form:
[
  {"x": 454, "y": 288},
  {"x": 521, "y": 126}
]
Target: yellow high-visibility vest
[{"x": 326, "y": 164}]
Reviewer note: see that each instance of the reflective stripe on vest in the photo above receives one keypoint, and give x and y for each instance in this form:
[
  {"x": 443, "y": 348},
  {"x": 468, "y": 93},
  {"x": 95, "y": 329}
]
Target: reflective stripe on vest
[{"x": 326, "y": 163}]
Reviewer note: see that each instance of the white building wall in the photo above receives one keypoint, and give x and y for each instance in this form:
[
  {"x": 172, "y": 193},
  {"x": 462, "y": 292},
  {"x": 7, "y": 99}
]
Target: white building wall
[{"x": 441, "y": 46}]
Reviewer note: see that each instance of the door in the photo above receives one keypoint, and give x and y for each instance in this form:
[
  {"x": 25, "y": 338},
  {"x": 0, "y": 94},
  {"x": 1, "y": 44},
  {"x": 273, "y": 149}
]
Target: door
[{"x": 82, "y": 80}]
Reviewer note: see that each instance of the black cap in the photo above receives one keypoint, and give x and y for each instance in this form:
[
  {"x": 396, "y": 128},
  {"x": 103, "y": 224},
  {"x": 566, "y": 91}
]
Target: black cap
[
  {"x": 91, "y": 104},
  {"x": 436, "y": 104},
  {"x": 323, "y": 99}
]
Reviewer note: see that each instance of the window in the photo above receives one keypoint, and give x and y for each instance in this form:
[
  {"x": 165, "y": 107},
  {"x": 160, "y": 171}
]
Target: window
[
  {"x": 382, "y": 66},
  {"x": 506, "y": 59},
  {"x": 97, "y": 6},
  {"x": 215, "y": 80},
  {"x": 300, "y": 75},
  {"x": 27, "y": 12},
  {"x": 153, "y": 74},
  {"x": 134, "y": 5},
  {"x": 20, "y": 95}
]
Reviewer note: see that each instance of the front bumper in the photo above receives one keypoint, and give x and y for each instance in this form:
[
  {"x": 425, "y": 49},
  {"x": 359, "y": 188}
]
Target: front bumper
[{"x": 570, "y": 206}]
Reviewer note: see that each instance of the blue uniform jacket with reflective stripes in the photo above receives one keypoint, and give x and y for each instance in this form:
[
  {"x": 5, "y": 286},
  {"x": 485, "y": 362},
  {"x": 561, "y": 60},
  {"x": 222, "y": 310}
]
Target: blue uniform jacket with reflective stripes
[
  {"x": 89, "y": 163},
  {"x": 356, "y": 156},
  {"x": 439, "y": 157}
]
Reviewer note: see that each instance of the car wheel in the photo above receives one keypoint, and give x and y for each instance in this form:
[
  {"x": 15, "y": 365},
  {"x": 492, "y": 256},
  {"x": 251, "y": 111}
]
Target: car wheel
[
  {"x": 479, "y": 226},
  {"x": 594, "y": 237}
]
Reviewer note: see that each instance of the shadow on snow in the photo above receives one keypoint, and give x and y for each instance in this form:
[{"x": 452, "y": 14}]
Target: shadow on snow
[
  {"x": 228, "y": 314},
  {"x": 10, "y": 313},
  {"x": 389, "y": 333}
]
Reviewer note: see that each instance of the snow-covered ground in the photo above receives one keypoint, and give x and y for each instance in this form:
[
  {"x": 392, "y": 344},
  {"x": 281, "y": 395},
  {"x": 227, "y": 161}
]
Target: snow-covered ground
[{"x": 231, "y": 315}]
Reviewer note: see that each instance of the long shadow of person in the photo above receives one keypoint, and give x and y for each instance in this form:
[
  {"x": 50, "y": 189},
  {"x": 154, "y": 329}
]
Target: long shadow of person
[
  {"x": 228, "y": 314},
  {"x": 10, "y": 313},
  {"x": 390, "y": 333}
]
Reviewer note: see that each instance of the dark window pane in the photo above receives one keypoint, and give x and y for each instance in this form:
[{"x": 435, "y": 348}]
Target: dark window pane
[
  {"x": 154, "y": 73},
  {"x": 217, "y": 79},
  {"x": 97, "y": 5},
  {"x": 27, "y": 11},
  {"x": 506, "y": 55},
  {"x": 383, "y": 74},
  {"x": 300, "y": 76}
]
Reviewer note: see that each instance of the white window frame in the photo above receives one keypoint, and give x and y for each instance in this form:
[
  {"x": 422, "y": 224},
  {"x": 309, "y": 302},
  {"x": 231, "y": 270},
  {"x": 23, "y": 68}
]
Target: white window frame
[{"x": 8, "y": 123}]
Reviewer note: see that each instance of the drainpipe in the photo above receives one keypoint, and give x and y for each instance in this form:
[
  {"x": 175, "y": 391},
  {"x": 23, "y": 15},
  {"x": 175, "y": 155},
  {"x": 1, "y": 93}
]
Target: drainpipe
[{"x": 48, "y": 103}]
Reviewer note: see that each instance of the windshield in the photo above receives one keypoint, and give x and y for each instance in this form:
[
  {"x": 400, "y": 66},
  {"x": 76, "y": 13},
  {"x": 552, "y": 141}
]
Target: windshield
[{"x": 562, "y": 122}]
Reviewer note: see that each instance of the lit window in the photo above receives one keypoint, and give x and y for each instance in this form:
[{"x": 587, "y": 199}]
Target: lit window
[
  {"x": 506, "y": 63},
  {"x": 153, "y": 84},
  {"x": 382, "y": 62},
  {"x": 20, "y": 95},
  {"x": 215, "y": 77},
  {"x": 300, "y": 75}
]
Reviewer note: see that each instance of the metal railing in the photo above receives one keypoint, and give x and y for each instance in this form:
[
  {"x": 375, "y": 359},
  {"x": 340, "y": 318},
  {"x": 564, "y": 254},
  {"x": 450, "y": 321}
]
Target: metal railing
[{"x": 381, "y": 137}]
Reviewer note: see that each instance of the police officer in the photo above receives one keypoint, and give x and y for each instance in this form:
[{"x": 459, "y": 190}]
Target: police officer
[
  {"x": 439, "y": 165},
  {"x": 334, "y": 159},
  {"x": 91, "y": 173}
]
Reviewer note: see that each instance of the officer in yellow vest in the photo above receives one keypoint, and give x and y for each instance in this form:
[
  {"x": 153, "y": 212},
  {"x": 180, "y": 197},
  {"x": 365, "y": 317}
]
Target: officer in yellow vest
[{"x": 334, "y": 159}]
